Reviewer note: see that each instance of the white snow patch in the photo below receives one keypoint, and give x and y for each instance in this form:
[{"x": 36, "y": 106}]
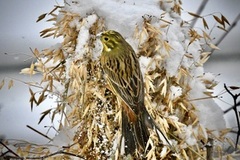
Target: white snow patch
[
  {"x": 84, "y": 35},
  {"x": 144, "y": 63},
  {"x": 210, "y": 115},
  {"x": 187, "y": 134},
  {"x": 175, "y": 92},
  {"x": 64, "y": 138},
  {"x": 119, "y": 15}
]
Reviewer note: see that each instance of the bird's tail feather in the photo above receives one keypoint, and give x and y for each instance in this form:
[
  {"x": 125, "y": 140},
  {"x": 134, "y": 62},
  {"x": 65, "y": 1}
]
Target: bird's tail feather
[
  {"x": 136, "y": 134},
  {"x": 128, "y": 134}
]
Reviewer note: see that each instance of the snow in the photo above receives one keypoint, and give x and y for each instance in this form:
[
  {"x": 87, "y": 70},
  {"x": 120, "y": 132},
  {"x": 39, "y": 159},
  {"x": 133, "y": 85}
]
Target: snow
[
  {"x": 63, "y": 138},
  {"x": 187, "y": 134},
  {"x": 144, "y": 64},
  {"x": 175, "y": 92},
  {"x": 210, "y": 115},
  {"x": 84, "y": 36},
  {"x": 116, "y": 13}
]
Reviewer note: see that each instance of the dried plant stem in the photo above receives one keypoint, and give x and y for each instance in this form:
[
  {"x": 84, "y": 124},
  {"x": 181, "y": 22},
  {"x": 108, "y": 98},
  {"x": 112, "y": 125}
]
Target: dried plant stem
[
  {"x": 9, "y": 150},
  {"x": 39, "y": 132},
  {"x": 203, "y": 98},
  {"x": 199, "y": 11},
  {"x": 226, "y": 33}
]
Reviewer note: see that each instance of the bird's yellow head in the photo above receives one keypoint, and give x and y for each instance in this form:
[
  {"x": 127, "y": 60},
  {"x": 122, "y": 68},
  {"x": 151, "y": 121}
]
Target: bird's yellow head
[{"x": 111, "y": 41}]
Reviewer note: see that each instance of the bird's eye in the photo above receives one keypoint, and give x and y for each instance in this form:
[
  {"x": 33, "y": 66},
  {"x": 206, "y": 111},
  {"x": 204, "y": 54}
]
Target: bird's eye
[{"x": 106, "y": 38}]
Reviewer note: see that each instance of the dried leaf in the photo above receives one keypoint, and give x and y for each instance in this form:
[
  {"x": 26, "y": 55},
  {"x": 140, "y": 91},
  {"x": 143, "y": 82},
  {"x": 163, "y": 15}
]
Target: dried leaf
[
  {"x": 224, "y": 132},
  {"x": 19, "y": 151},
  {"x": 43, "y": 115},
  {"x": 205, "y": 54},
  {"x": 218, "y": 20},
  {"x": 182, "y": 105},
  {"x": 27, "y": 71},
  {"x": 46, "y": 31},
  {"x": 48, "y": 35},
  {"x": 188, "y": 55},
  {"x": 36, "y": 52},
  {"x": 32, "y": 98},
  {"x": 52, "y": 19},
  {"x": 213, "y": 46},
  {"x": 194, "y": 36},
  {"x": 28, "y": 148},
  {"x": 32, "y": 69},
  {"x": 230, "y": 142},
  {"x": 2, "y": 84},
  {"x": 54, "y": 9},
  {"x": 164, "y": 87},
  {"x": 205, "y": 24},
  {"x": 202, "y": 134},
  {"x": 184, "y": 71},
  {"x": 164, "y": 25},
  {"x": 222, "y": 28},
  {"x": 168, "y": 22},
  {"x": 53, "y": 116},
  {"x": 41, "y": 17},
  {"x": 194, "y": 15},
  {"x": 41, "y": 98},
  {"x": 184, "y": 154},
  {"x": 167, "y": 46},
  {"x": 206, "y": 36},
  {"x": 234, "y": 87},
  {"x": 224, "y": 19},
  {"x": 10, "y": 84}
]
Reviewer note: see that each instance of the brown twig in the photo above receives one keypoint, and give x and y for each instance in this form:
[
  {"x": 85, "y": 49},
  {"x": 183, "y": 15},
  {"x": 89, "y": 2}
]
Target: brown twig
[
  {"x": 39, "y": 132},
  {"x": 11, "y": 151}
]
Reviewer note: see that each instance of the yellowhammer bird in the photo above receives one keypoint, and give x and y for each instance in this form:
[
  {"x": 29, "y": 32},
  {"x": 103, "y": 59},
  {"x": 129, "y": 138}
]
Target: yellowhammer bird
[{"x": 120, "y": 64}]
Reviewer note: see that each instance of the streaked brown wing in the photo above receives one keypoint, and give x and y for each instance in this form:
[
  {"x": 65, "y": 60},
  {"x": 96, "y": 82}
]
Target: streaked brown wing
[{"x": 126, "y": 80}]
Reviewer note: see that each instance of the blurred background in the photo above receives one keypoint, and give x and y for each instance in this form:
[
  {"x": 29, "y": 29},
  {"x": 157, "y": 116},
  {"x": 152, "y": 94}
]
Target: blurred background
[{"x": 19, "y": 32}]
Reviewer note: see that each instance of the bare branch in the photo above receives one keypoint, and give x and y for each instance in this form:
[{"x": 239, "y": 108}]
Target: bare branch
[
  {"x": 39, "y": 132},
  {"x": 11, "y": 151}
]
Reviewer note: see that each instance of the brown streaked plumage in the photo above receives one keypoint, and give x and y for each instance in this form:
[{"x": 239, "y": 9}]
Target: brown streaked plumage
[{"x": 120, "y": 64}]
